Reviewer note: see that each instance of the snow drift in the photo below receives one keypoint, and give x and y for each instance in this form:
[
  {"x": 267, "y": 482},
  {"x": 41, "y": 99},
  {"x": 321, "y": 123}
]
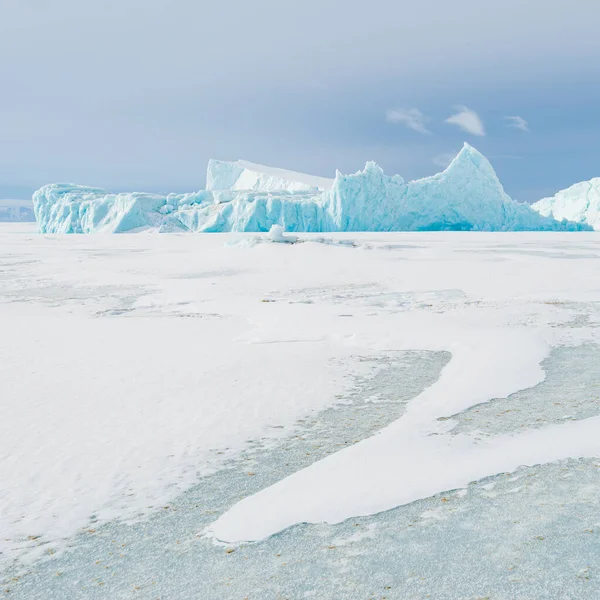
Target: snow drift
[
  {"x": 241, "y": 196},
  {"x": 580, "y": 203}
]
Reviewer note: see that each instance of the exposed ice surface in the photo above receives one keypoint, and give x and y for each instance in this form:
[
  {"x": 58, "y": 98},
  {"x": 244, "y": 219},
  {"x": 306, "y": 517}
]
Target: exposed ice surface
[
  {"x": 580, "y": 204},
  {"x": 16, "y": 211},
  {"x": 571, "y": 387},
  {"x": 243, "y": 197}
]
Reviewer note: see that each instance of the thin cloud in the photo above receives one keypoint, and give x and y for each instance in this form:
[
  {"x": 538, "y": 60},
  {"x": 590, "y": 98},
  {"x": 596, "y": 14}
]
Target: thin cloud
[
  {"x": 468, "y": 120},
  {"x": 517, "y": 123},
  {"x": 443, "y": 160},
  {"x": 413, "y": 118}
]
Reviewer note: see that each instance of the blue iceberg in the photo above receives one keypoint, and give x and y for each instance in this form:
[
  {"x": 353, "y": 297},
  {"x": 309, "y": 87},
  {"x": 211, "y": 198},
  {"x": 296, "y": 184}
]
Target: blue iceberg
[
  {"x": 245, "y": 197},
  {"x": 580, "y": 203}
]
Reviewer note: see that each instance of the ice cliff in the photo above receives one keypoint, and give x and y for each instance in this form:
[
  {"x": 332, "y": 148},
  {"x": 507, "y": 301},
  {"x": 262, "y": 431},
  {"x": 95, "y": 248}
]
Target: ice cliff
[
  {"x": 241, "y": 175},
  {"x": 580, "y": 203},
  {"x": 241, "y": 196}
]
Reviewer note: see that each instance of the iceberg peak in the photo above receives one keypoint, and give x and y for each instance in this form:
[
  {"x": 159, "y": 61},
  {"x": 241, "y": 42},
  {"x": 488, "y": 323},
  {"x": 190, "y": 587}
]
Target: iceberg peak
[
  {"x": 469, "y": 157},
  {"x": 372, "y": 170}
]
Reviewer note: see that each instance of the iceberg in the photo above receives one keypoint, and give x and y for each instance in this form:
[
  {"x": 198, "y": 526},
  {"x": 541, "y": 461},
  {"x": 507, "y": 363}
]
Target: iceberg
[
  {"x": 244, "y": 197},
  {"x": 580, "y": 204}
]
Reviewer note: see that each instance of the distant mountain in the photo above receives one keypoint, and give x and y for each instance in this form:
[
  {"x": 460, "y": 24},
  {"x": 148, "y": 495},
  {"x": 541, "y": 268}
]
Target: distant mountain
[{"x": 16, "y": 211}]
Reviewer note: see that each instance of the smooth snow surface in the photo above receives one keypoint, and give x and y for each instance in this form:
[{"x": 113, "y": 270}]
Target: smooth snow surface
[
  {"x": 242, "y": 197},
  {"x": 132, "y": 366},
  {"x": 580, "y": 203}
]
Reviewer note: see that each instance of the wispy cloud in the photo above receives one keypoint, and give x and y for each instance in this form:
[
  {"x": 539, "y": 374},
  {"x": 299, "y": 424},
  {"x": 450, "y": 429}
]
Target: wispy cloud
[
  {"x": 468, "y": 120},
  {"x": 517, "y": 123},
  {"x": 413, "y": 118},
  {"x": 443, "y": 160}
]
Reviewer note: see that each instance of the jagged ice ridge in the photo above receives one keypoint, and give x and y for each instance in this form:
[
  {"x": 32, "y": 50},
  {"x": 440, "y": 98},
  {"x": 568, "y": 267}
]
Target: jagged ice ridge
[{"x": 241, "y": 196}]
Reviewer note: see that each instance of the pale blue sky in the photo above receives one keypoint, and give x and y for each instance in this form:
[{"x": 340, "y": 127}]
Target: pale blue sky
[{"x": 138, "y": 94}]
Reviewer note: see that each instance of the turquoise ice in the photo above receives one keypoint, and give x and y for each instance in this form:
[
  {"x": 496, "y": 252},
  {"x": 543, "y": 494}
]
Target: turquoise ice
[
  {"x": 580, "y": 203},
  {"x": 467, "y": 196}
]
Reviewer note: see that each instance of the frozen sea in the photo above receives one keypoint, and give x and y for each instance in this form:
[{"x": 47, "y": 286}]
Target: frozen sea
[{"x": 399, "y": 416}]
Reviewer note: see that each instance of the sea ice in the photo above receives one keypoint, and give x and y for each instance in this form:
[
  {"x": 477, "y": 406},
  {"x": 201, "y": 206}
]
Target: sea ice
[
  {"x": 140, "y": 363},
  {"x": 240, "y": 196}
]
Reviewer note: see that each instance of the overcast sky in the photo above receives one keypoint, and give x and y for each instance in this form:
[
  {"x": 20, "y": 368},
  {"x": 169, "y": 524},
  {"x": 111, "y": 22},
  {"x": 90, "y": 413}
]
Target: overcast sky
[{"x": 138, "y": 94}]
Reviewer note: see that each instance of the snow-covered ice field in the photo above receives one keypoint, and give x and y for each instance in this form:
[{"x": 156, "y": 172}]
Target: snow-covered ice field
[{"x": 221, "y": 416}]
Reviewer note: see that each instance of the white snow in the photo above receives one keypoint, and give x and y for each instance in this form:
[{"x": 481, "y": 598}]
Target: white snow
[
  {"x": 394, "y": 468},
  {"x": 580, "y": 203},
  {"x": 129, "y": 363}
]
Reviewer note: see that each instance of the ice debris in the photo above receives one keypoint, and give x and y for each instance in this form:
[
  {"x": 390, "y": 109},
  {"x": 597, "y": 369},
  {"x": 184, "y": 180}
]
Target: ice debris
[
  {"x": 277, "y": 234},
  {"x": 466, "y": 196}
]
